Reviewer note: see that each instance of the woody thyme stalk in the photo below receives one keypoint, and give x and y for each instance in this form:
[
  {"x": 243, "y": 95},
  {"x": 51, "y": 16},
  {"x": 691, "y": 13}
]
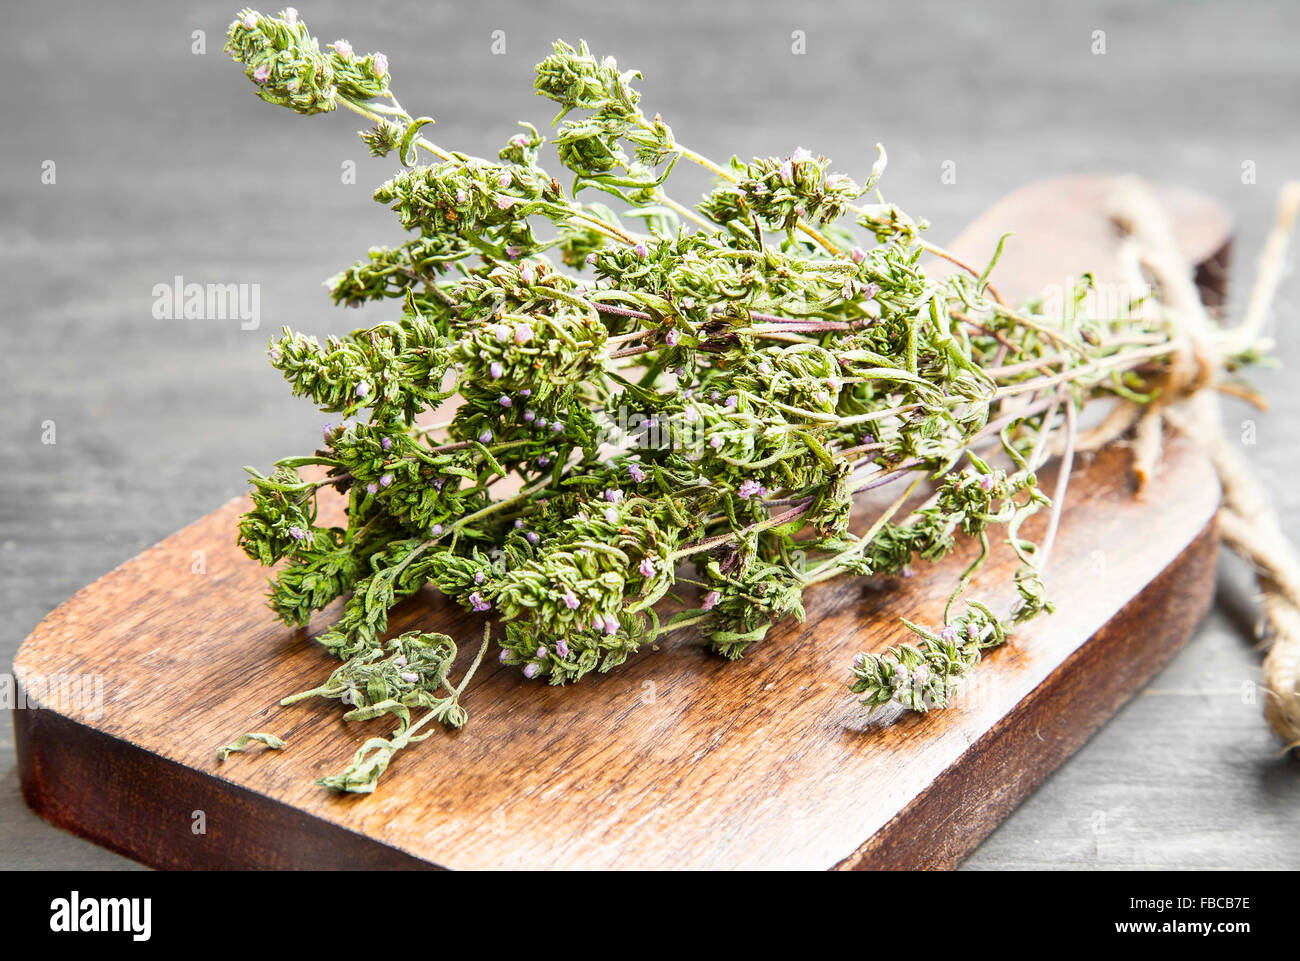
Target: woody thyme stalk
[{"x": 644, "y": 399}]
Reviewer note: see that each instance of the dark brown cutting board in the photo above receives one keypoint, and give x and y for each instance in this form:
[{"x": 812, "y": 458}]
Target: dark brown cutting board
[{"x": 675, "y": 760}]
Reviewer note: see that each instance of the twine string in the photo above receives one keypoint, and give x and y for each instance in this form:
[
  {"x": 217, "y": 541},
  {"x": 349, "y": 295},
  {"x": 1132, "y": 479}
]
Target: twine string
[{"x": 1189, "y": 401}]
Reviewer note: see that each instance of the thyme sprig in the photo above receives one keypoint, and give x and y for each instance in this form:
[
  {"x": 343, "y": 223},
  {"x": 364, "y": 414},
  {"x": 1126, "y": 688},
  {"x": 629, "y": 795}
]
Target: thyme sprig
[{"x": 714, "y": 385}]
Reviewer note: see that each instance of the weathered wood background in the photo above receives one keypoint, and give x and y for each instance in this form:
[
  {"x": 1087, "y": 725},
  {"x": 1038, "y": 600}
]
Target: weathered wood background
[{"x": 166, "y": 165}]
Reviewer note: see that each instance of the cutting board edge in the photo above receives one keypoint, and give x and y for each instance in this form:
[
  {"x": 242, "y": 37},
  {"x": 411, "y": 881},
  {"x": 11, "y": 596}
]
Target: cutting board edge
[
  {"x": 921, "y": 835},
  {"x": 119, "y": 765},
  {"x": 912, "y": 839}
]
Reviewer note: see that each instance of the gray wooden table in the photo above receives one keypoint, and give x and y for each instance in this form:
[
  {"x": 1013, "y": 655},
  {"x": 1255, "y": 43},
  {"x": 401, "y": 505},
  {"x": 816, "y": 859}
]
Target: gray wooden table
[{"x": 165, "y": 165}]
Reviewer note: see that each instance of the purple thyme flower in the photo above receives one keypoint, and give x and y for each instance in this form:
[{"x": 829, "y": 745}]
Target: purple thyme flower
[
  {"x": 381, "y": 65},
  {"x": 297, "y": 533},
  {"x": 386, "y": 443},
  {"x": 250, "y": 21},
  {"x": 570, "y": 599},
  {"x": 597, "y": 621},
  {"x": 732, "y": 401},
  {"x": 274, "y": 354},
  {"x": 986, "y": 482},
  {"x": 410, "y": 677},
  {"x": 502, "y": 333},
  {"x": 435, "y": 530},
  {"x": 530, "y": 415},
  {"x": 562, "y": 648},
  {"x": 542, "y": 651},
  {"x": 526, "y": 275},
  {"x": 531, "y": 670},
  {"x": 400, "y": 660},
  {"x": 479, "y": 577},
  {"x": 372, "y": 488},
  {"x": 636, "y": 473},
  {"x": 640, "y": 250},
  {"x": 505, "y": 401},
  {"x": 519, "y": 523},
  {"x": 363, "y": 390},
  {"x": 671, "y": 338},
  {"x": 496, "y": 370},
  {"x": 544, "y": 461},
  {"x": 921, "y": 674},
  {"x": 800, "y": 155},
  {"x": 262, "y": 73},
  {"x": 505, "y": 202},
  {"x": 461, "y": 196},
  {"x": 504, "y": 656},
  {"x": 557, "y": 426},
  {"x": 715, "y": 441},
  {"x": 513, "y": 252},
  {"x": 592, "y": 258},
  {"x": 611, "y": 515},
  {"x": 950, "y": 633},
  {"x": 503, "y": 180},
  {"x": 787, "y": 172},
  {"x": 526, "y": 392},
  {"x": 485, "y": 437},
  {"x": 532, "y": 537},
  {"x": 343, "y": 49},
  {"x": 523, "y": 333},
  {"x": 611, "y": 625},
  {"x": 647, "y": 567},
  {"x": 710, "y": 600},
  {"x": 385, "y": 480},
  {"x": 858, "y": 255},
  {"x": 541, "y": 423},
  {"x": 478, "y": 602},
  {"x": 614, "y": 496},
  {"x": 291, "y": 14},
  {"x": 750, "y": 488}
]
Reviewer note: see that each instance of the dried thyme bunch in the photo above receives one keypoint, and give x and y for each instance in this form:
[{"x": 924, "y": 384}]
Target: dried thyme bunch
[{"x": 623, "y": 392}]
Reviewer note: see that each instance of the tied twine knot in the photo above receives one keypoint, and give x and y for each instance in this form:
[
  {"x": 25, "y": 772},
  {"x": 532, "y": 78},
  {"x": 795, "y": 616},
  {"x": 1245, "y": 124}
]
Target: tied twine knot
[
  {"x": 1194, "y": 366},
  {"x": 1189, "y": 401}
]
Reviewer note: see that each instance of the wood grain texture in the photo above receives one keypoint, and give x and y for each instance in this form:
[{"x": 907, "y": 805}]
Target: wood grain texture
[
  {"x": 675, "y": 760},
  {"x": 1060, "y": 230}
]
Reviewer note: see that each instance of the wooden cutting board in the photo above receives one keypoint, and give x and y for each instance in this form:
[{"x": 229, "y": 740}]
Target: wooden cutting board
[{"x": 675, "y": 760}]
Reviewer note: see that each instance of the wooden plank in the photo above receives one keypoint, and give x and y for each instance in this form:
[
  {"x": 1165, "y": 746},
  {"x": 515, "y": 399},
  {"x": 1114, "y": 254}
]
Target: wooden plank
[{"x": 675, "y": 760}]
